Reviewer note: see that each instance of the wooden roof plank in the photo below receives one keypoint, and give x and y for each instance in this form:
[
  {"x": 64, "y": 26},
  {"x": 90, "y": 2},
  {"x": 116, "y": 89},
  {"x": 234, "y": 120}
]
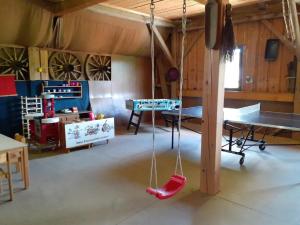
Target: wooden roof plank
[
  {"x": 130, "y": 15},
  {"x": 64, "y": 7}
]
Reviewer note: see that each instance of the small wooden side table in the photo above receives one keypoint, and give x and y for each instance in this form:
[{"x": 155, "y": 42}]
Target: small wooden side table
[{"x": 10, "y": 146}]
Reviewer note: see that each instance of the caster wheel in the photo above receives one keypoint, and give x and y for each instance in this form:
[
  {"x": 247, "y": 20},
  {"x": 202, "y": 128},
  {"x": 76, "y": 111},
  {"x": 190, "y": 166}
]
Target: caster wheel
[
  {"x": 239, "y": 142},
  {"x": 262, "y": 147},
  {"x": 242, "y": 161}
]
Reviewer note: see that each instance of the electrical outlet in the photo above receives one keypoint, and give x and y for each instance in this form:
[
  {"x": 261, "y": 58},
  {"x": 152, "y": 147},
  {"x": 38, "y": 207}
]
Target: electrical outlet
[{"x": 249, "y": 79}]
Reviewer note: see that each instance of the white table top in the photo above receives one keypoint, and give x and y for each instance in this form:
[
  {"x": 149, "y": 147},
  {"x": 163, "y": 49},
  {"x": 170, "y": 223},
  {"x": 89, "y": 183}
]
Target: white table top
[{"x": 7, "y": 144}]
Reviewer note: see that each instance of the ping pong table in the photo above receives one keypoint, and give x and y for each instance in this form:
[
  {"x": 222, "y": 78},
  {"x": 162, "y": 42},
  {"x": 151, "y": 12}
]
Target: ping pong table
[{"x": 246, "y": 121}]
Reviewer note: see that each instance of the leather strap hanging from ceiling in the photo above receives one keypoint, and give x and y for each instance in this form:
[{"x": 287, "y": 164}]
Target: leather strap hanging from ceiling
[{"x": 213, "y": 24}]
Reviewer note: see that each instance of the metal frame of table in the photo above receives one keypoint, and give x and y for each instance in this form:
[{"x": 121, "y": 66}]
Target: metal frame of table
[{"x": 250, "y": 123}]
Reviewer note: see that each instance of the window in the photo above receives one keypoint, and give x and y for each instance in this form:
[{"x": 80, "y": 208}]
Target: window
[{"x": 233, "y": 71}]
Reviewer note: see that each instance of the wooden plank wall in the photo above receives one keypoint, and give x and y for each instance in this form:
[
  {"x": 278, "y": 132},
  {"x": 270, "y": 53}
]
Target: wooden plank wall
[{"x": 268, "y": 77}]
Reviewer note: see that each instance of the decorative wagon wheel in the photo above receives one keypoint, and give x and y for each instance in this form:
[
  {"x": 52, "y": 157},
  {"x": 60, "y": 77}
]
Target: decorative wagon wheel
[
  {"x": 14, "y": 61},
  {"x": 98, "y": 67},
  {"x": 64, "y": 66}
]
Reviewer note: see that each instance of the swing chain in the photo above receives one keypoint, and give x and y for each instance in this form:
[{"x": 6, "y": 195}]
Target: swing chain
[
  {"x": 184, "y": 17},
  {"x": 184, "y": 21},
  {"x": 152, "y": 8},
  {"x": 178, "y": 160},
  {"x": 153, "y": 161},
  {"x": 152, "y": 5}
]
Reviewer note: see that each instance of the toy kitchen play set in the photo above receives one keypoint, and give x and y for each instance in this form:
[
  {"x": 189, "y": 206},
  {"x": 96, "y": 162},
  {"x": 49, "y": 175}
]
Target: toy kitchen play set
[{"x": 64, "y": 130}]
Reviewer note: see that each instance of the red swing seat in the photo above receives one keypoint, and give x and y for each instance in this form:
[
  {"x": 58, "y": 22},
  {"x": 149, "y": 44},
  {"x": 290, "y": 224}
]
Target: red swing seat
[{"x": 175, "y": 184}]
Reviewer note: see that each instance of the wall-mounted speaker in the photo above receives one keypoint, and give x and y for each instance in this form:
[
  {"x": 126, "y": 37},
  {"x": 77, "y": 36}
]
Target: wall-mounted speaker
[{"x": 272, "y": 49}]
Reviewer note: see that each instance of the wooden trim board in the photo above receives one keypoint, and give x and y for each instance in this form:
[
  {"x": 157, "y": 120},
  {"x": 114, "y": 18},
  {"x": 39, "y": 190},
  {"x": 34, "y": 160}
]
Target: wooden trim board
[
  {"x": 130, "y": 15},
  {"x": 242, "y": 95}
]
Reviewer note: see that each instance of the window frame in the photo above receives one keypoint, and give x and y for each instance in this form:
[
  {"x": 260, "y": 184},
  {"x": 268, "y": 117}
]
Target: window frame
[{"x": 241, "y": 47}]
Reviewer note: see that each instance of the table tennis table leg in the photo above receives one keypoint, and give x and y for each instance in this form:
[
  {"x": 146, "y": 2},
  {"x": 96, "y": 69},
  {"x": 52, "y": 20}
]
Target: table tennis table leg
[
  {"x": 252, "y": 133},
  {"x": 232, "y": 142},
  {"x": 261, "y": 143}
]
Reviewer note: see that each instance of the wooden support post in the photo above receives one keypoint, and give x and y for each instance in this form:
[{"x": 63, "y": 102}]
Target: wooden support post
[
  {"x": 297, "y": 45},
  {"x": 212, "y": 102},
  {"x": 34, "y": 63},
  {"x": 38, "y": 63}
]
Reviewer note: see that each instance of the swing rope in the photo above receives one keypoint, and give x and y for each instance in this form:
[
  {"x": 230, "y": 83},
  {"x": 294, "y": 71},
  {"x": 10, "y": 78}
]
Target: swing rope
[
  {"x": 287, "y": 18},
  {"x": 184, "y": 20},
  {"x": 178, "y": 166},
  {"x": 153, "y": 161}
]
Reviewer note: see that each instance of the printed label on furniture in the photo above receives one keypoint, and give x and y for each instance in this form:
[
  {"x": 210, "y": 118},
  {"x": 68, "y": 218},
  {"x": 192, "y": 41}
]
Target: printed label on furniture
[{"x": 89, "y": 132}]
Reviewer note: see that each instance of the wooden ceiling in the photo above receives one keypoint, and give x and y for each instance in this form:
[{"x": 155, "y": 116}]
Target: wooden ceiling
[{"x": 169, "y": 9}]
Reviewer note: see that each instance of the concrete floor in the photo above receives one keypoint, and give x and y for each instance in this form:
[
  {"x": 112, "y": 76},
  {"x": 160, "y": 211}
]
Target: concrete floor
[{"x": 106, "y": 186}]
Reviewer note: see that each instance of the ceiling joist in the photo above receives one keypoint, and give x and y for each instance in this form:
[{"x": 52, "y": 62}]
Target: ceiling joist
[
  {"x": 203, "y": 2},
  {"x": 164, "y": 47},
  {"x": 278, "y": 34},
  {"x": 63, "y": 7},
  {"x": 129, "y": 15}
]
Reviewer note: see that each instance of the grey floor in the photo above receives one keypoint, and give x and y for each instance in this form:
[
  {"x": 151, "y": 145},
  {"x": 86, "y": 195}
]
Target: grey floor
[{"x": 106, "y": 186}]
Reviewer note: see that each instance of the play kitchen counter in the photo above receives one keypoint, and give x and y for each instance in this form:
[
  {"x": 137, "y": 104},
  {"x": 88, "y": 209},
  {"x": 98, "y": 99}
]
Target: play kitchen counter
[{"x": 76, "y": 134}]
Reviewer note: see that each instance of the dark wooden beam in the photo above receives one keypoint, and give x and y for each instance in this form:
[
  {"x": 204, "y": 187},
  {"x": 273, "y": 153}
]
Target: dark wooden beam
[
  {"x": 130, "y": 15},
  {"x": 43, "y": 4},
  {"x": 69, "y": 6},
  {"x": 246, "y": 19},
  {"x": 203, "y": 2},
  {"x": 245, "y": 12},
  {"x": 164, "y": 47}
]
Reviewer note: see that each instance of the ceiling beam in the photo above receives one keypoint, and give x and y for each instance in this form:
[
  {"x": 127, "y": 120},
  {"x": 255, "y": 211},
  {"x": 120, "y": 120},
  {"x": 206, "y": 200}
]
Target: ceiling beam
[
  {"x": 278, "y": 34},
  {"x": 203, "y": 2},
  {"x": 42, "y": 4},
  {"x": 164, "y": 47},
  {"x": 252, "y": 2},
  {"x": 130, "y": 15},
  {"x": 247, "y": 19},
  {"x": 64, "y": 7}
]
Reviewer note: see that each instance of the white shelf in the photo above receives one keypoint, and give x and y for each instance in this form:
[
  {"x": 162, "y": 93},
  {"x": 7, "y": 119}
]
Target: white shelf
[
  {"x": 62, "y": 86},
  {"x": 68, "y": 97},
  {"x": 74, "y": 91},
  {"x": 63, "y": 92}
]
